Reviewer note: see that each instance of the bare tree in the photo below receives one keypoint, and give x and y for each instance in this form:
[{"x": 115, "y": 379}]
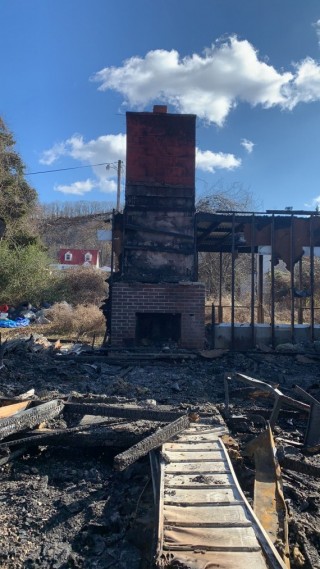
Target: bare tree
[
  {"x": 234, "y": 198},
  {"x": 75, "y": 209}
]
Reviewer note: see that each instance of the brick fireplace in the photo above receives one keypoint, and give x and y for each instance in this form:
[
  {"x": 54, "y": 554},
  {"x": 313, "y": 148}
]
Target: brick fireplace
[{"x": 154, "y": 296}]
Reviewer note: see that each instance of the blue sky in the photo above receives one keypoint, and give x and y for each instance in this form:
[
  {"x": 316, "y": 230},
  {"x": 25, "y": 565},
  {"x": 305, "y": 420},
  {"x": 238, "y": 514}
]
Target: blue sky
[{"x": 249, "y": 69}]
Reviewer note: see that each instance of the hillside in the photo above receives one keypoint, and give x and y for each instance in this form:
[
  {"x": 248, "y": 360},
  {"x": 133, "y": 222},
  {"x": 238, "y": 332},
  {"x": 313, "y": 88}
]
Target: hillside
[{"x": 76, "y": 232}]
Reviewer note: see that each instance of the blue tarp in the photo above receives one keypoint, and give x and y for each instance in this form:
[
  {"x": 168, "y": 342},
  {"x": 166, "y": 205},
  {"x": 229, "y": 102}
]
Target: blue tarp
[{"x": 18, "y": 323}]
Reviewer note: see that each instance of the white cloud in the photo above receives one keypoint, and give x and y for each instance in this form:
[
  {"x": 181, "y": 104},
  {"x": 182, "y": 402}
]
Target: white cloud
[
  {"x": 316, "y": 25},
  {"x": 107, "y": 186},
  {"x": 315, "y": 203},
  {"x": 51, "y": 155},
  {"x": 213, "y": 83},
  {"x": 306, "y": 86},
  {"x": 76, "y": 188},
  {"x": 111, "y": 148},
  {"x": 247, "y": 144},
  {"x": 211, "y": 161},
  {"x": 83, "y": 187},
  {"x": 208, "y": 85},
  {"x": 108, "y": 148}
]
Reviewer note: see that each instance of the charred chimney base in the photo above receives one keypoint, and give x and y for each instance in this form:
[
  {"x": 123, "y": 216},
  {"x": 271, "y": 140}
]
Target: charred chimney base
[{"x": 180, "y": 307}]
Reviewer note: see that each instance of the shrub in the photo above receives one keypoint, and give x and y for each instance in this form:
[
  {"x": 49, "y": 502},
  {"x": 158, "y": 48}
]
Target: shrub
[
  {"x": 79, "y": 320},
  {"x": 79, "y": 285},
  {"x": 24, "y": 274}
]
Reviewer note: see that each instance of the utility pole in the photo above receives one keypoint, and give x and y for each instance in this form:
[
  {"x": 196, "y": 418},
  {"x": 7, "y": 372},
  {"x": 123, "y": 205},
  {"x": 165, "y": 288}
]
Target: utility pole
[
  {"x": 118, "y": 168},
  {"x": 119, "y": 185}
]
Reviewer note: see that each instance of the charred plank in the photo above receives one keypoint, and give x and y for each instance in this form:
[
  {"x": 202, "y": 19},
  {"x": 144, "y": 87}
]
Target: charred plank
[
  {"x": 152, "y": 442},
  {"x": 30, "y": 418},
  {"x": 134, "y": 413},
  {"x": 94, "y": 437},
  {"x": 297, "y": 465}
]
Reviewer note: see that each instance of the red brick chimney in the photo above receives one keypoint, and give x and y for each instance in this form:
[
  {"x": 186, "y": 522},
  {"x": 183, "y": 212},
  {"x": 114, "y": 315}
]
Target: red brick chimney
[{"x": 160, "y": 109}]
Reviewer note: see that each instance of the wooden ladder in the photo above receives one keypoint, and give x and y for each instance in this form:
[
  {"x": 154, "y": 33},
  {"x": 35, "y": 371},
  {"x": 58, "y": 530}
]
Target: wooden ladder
[{"x": 204, "y": 520}]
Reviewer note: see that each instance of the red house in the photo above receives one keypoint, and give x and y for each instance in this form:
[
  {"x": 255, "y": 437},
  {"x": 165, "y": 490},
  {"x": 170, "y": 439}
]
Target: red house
[{"x": 79, "y": 257}]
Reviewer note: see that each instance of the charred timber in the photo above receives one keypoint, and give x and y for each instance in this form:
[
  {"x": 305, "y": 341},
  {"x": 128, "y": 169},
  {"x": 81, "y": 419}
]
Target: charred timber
[
  {"x": 297, "y": 465},
  {"x": 12, "y": 456},
  {"x": 161, "y": 249},
  {"x": 132, "y": 413},
  {"x": 30, "y": 418},
  {"x": 96, "y": 436},
  {"x": 152, "y": 442}
]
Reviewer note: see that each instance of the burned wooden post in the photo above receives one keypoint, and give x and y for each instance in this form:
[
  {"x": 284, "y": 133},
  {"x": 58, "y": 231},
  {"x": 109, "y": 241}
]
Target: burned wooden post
[
  {"x": 152, "y": 442},
  {"x": 275, "y": 410},
  {"x": 213, "y": 324},
  {"x": 311, "y": 230},
  {"x": 233, "y": 280},
  {"x": 301, "y": 300},
  {"x": 252, "y": 247},
  {"x": 312, "y": 436},
  {"x": 220, "y": 307},
  {"x": 292, "y": 268},
  {"x": 260, "y": 318},
  {"x": 272, "y": 282}
]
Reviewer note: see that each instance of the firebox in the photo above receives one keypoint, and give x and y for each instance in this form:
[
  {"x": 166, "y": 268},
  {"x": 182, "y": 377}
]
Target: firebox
[
  {"x": 154, "y": 295},
  {"x": 157, "y": 328}
]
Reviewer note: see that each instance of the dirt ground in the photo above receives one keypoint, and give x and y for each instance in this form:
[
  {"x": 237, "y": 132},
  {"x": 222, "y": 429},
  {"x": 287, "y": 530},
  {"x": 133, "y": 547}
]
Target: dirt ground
[{"x": 66, "y": 507}]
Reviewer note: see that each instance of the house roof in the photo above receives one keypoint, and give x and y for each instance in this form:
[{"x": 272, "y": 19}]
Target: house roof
[{"x": 78, "y": 256}]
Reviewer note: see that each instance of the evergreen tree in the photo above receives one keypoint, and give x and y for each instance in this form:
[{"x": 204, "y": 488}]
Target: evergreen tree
[
  {"x": 24, "y": 273},
  {"x": 18, "y": 199}
]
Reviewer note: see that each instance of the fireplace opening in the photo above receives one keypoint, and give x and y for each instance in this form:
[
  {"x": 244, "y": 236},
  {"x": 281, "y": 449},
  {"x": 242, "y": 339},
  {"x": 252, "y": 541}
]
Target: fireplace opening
[{"x": 154, "y": 328}]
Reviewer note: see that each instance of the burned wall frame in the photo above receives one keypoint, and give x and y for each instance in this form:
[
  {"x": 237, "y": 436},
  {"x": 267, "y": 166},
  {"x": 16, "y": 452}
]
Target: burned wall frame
[{"x": 268, "y": 237}]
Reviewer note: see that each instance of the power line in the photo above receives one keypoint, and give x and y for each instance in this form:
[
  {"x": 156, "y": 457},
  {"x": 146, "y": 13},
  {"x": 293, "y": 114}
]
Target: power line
[{"x": 71, "y": 168}]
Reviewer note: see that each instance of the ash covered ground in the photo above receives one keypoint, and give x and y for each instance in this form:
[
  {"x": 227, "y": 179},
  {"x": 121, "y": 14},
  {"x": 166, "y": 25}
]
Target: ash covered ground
[{"x": 65, "y": 506}]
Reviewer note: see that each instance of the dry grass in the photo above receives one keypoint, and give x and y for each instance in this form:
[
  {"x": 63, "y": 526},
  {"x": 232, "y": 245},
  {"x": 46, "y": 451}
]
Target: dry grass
[
  {"x": 66, "y": 322},
  {"x": 242, "y": 312},
  {"x": 81, "y": 321}
]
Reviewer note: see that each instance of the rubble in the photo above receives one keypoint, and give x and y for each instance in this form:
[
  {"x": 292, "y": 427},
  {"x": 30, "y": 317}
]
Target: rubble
[{"x": 62, "y": 502}]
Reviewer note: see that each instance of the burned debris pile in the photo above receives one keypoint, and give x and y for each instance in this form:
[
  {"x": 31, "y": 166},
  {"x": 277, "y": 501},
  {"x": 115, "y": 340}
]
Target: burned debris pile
[{"x": 77, "y": 427}]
